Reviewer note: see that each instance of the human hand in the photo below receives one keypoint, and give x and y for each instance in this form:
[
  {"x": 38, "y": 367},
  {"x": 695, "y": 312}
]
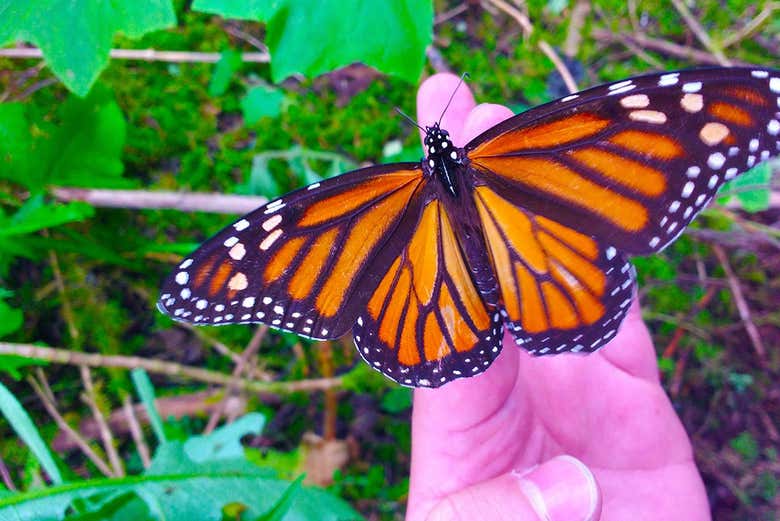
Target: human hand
[{"x": 560, "y": 438}]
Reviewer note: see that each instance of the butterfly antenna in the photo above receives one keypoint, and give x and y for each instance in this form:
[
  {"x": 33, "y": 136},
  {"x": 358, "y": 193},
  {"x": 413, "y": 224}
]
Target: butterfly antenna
[
  {"x": 452, "y": 96},
  {"x": 409, "y": 119}
]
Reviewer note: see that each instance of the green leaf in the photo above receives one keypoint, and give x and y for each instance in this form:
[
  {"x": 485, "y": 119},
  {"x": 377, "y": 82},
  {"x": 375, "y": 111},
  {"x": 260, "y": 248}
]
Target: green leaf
[
  {"x": 21, "y": 423},
  {"x": 84, "y": 148},
  {"x": 10, "y": 318},
  {"x": 282, "y": 506},
  {"x": 16, "y": 158},
  {"x": 35, "y": 215},
  {"x": 261, "y": 102},
  {"x": 75, "y": 36},
  {"x": 145, "y": 389},
  {"x": 197, "y": 496},
  {"x": 229, "y": 62},
  {"x": 261, "y": 180},
  {"x": 255, "y": 10},
  {"x": 312, "y": 37},
  {"x": 225, "y": 442},
  {"x": 10, "y": 364},
  {"x": 397, "y": 399},
  {"x": 752, "y": 188}
]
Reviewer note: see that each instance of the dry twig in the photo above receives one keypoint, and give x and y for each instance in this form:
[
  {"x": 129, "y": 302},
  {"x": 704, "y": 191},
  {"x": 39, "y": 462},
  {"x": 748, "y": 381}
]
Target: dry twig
[
  {"x": 106, "y": 436},
  {"x": 136, "y": 432},
  {"x": 546, "y": 48},
  {"x": 65, "y": 356},
  {"x": 51, "y": 408},
  {"x": 740, "y": 302},
  {"x": 700, "y": 33},
  {"x": 238, "y": 370},
  {"x": 147, "y": 55},
  {"x": 750, "y": 28},
  {"x": 144, "y": 199}
]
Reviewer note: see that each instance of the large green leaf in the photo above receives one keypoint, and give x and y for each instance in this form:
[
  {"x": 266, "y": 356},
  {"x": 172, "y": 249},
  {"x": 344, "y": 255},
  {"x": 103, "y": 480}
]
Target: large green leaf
[
  {"x": 176, "y": 488},
  {"x": 83, "y": 148},
  {"x": 76, "y": 35},
  {"x": 255, "y": 10},
  {"x": 311, "y": 37}
]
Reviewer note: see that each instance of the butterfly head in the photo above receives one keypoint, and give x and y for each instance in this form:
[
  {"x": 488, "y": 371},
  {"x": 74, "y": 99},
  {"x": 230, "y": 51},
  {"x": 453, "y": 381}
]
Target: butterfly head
[{"x": 438, "y": 145}]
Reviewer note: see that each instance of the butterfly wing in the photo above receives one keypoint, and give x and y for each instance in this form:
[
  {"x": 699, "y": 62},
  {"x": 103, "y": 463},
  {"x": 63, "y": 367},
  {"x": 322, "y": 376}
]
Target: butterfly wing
[
  {"x": 560, "y": 289},
  {"x": 425, "y": 322},
  {"x": 306, "y": 262},
  {"x": 632, "y": 163}
]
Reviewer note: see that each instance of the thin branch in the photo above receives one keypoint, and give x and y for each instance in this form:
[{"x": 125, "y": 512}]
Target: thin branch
[
  {"x": 741, "y": 303},
  {"x": 101, "y": 465},
  {"x": 106, "y": 437},
  {"x": 66, "y": 356},
  {"x": 249, "y": 352},
  {"x": 452, "y": 13},
  {"x": 148, "y": 55},
  {"x": 136, "y": 432},
  {"x": 546, "y": 48},
  {"x": 218, "y": 346},
  {"x": 579, "y": 14},
  {"x": 668, "y": 48},
  {"x": 143, "y": 199},
  {"x": 67, "y": 311},
  {"x": 700, "y": 33},
  {"x": 752, "y": 27}
]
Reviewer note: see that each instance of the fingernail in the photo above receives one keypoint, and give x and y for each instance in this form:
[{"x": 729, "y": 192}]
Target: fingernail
[{"x": 562, "y": 489}]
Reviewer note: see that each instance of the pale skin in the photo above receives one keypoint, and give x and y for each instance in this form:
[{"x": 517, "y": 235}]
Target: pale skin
[{"x": 474, "y": 438}]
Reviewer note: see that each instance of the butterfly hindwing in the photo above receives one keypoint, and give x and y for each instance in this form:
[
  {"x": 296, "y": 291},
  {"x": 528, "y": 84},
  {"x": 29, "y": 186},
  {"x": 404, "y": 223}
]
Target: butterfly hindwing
[
  {"x": 632, "y": 163},
  {"x": 302, "y": 262},
  {"x": 560, "y": 289},
  {"x": 426, "y": 323}
]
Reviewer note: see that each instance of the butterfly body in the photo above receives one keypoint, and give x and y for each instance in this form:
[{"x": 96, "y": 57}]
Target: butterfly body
[{"x": 525, "y": 229}]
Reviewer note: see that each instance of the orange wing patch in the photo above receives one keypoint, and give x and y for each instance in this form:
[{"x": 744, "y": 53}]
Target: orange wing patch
[
  {"x": 561, "y": 182},
  {"x": 561, "y": 132},
  {"x": 426, "y": 313},
  {"x": 562, "y": 287},
  {"x": 343, "y": 203}
]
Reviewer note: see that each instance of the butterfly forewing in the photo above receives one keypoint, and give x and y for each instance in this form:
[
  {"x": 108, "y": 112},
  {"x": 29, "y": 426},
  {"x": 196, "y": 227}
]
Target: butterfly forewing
[
  {"x": 632, "y": 163},
  {"x": 425, "y": 322},
  {"x": 302, "y": 262}
]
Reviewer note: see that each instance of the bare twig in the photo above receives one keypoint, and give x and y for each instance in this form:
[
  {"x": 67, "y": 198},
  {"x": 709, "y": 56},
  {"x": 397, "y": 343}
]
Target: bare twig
[
  {"x": 65, "y": 356},
  {"x": 101, "y": 465},
  {"x": 136, "y": 432},
  {"x": 700, "y": 33},
  {"x": 107, "y": 438},
  {"x": 67, "y": 311},
  {"x": 741, "y": 303},
  {"x": 184, "y": 201},
  {"x": 750, "y": 28},
  {"x": 437, "y": 61},
  {"x": 678, "y": 334},
  {"x": 245, "y": 36},
  {"x": 218, "y": 346},
  {"x": 451, "y": 13},
  {"x": 668, "y": 48},
  {"x": 546, "y": 48},
  {"x": 148, "y": 55},
  {"x": 249, "y": 352},
  {"x": 576, "y": 22}
]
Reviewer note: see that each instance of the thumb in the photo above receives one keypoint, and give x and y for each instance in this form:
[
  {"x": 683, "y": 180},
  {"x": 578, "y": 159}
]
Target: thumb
[{"x": 561, "y": 489}]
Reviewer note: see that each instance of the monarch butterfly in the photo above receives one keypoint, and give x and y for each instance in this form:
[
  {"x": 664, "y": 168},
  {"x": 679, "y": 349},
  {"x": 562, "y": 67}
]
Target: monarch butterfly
[{"x": 527, "y": 228}]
